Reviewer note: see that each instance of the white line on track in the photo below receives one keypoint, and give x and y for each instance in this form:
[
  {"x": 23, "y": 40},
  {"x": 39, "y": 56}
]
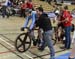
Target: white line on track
[
  {"x": 14, "y": 47},
  {"x": 7, "y": 43}
]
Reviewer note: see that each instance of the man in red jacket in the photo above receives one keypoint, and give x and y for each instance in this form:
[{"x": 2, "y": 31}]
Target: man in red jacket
[{"x": 67, "y": 18}]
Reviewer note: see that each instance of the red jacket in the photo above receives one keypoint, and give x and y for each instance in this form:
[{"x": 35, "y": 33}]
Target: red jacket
[
  {"x": 29, "y": 5},
  {"x": 66, "y": 14},
  {"x": 24, "y": 6}
]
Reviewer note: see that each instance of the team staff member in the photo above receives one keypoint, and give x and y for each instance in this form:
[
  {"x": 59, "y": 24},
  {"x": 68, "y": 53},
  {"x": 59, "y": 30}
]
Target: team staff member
[
  {"x": 43, "y": 22},
  {"x": 67, "y": 18}
]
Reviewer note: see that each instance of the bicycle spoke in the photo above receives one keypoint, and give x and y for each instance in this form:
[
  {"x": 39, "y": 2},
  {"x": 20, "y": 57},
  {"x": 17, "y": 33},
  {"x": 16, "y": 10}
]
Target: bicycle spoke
[
  {"x": 25, "y": 37},
  {"x": 19, "y": 45},
  {"x": 20, "y": 39},
  {"x": 23, "y": 42},
  {"x": 24, "y": 47},
  {"x": 27, "y": 42}
]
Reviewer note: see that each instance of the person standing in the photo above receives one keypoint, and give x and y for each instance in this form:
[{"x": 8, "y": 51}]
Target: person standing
[
  {"x": 5, "y": 8},
  {"x": 67, "y": 18},
  {"x": 23, "y": 7},
  {"x": 44, "y": 23}
]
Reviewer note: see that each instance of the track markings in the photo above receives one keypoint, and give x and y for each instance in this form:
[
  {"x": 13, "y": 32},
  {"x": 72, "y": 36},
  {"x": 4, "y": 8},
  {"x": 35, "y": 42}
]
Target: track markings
[{"x": 13, "y": 47}]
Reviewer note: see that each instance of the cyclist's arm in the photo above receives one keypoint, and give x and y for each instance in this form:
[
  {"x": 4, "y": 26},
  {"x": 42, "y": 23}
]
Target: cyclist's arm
[
  {"x": 27, "y": 21},
  {"x": 33, "y": 22}
]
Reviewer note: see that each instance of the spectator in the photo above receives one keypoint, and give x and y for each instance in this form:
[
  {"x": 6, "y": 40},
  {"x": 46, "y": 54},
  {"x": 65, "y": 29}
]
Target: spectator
[
  {"x": 49, "y": 1},
  {"x": 5, "y": 8},
  {"x": 67, "y": 18},
  {"x": 29, "y": 4},
  {"x": 23, "y": 7}
]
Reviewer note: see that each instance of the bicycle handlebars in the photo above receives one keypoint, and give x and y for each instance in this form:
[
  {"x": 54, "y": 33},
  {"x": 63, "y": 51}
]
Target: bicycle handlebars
[{"x": 32, "y": 29}]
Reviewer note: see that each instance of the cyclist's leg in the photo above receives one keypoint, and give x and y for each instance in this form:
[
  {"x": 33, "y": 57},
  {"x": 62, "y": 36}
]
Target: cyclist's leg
[
  {"x": 32, "y": 35},
  {"x": 40, "y": 36},
  {"x": 33, "y": 38},
  {"x": 43, "y": 45}
]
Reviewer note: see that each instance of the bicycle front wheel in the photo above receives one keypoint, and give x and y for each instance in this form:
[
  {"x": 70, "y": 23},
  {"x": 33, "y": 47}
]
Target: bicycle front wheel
[{"x": 23, "y": 42}]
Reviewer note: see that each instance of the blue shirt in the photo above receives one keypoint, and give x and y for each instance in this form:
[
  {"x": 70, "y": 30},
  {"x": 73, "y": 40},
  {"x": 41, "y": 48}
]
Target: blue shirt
[{"x": 32, "y": 17}]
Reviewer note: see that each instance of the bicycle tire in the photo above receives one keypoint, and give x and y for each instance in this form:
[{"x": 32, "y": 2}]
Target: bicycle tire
[{"x": 22, "y": 43}]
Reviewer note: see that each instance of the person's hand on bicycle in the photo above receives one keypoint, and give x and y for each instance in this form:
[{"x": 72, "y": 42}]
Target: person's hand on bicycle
[{"x": 22, "y": 28}]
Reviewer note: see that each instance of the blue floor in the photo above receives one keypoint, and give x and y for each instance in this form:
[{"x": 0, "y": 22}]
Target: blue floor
[{"x": 64, "y": 56}]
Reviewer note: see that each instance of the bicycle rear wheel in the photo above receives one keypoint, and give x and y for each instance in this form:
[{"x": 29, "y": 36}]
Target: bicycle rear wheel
[{"x": 23, "y": 42}]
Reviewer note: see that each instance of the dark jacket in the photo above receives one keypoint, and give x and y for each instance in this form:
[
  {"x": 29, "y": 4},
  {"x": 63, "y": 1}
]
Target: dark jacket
[{"x": 44, "y": 22}]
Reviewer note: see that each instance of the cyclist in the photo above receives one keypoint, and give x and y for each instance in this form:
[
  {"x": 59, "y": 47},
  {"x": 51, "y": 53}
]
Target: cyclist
[
  {"x": 30, "y": 15},
  {"x": 43, "y": 22}
]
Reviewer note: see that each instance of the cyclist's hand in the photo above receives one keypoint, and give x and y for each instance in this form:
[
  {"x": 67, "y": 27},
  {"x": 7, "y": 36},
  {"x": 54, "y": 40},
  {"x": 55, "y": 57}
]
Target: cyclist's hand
[{"x": 22, "y": 29}]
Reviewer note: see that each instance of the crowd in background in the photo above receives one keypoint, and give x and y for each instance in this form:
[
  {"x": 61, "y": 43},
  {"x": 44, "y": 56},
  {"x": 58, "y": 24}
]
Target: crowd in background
[
  {"x": 19, "y": 6},
  {"x": 13, "y": 7}
]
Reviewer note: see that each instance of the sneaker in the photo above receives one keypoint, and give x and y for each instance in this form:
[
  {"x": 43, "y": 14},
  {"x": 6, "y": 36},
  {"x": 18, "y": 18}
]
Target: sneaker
[
  {"x": 41, "y": 49},
  {"x": 40, "y": 44},
  {"x": 70, "y": 58},
  {"x": 63, "y": 48}
]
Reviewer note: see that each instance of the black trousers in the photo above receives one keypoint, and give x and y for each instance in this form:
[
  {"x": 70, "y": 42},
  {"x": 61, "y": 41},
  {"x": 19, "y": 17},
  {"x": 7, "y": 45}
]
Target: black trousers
[
  {"x": 22, "y": 13},
  {"x": 4, "y": 12}
]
